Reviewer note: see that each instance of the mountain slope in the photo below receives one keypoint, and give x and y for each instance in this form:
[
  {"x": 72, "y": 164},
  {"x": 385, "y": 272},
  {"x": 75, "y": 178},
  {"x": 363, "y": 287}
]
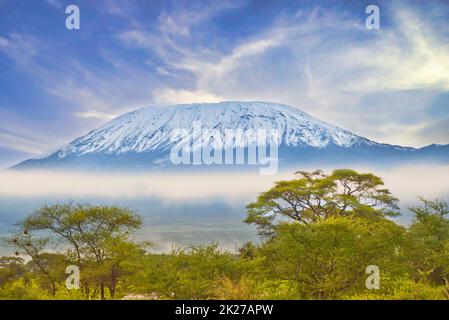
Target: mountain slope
[{"x": 144, "y": 138}]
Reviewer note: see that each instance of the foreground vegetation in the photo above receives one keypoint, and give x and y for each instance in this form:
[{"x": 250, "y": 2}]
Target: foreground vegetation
[{"x": 319, "y": 233}]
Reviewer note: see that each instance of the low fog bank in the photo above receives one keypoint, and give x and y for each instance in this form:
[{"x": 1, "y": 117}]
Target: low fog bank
[
  {"x": 188, "y": 208},
  {"x": 405, "y": 182},
  {"x": 166, "y": 223},
  {"x": 176, "y": 186}
]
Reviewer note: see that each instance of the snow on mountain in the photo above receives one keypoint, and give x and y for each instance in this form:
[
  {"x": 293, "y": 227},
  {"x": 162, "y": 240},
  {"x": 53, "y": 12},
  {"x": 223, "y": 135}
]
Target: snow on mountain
[{"x": 150, "y": 129}]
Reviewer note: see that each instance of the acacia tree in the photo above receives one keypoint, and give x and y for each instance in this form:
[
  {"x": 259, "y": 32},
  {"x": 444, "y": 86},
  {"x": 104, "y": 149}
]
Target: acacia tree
[
  {"x": 95, "y": 238},
  {"x": 315, "y": 196},
  {"x": 27, "y": 244},
  {"x": 429, "y": 241},
  {"x": 328, "y": 259},
  {"x": 11, "y": 268}
]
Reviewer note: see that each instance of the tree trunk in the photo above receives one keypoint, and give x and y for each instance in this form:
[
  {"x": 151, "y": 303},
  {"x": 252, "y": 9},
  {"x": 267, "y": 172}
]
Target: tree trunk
[
  {"x": 102, "y": 291},
  {"x": 53, "y": 289},
  {"x": 112, "y": 290}
]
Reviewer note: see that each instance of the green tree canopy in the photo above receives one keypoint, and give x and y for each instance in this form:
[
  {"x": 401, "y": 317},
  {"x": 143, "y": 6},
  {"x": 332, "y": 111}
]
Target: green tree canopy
[
  {"x": 98, "y": 239},
  {"x": 328, "y": 258},
  {"x": 429, "y": 241},
  {"x": 315, "y": 196}
]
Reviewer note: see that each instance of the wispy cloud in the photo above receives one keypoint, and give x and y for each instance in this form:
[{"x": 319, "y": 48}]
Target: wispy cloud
[
  {"x": 182, "y": 19},
  {"x": 377, "y": 83},
  {"x": 20, "y": 47},
  {"x": 54, "y": 3},
  {"x": 328, "y": 64},
  {"x": 24, "y": 144},
  {"x": 173, "y": 96},
  {"x": 96, "y": 115}
]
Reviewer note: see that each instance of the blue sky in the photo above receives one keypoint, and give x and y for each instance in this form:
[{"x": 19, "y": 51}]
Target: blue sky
[{"x": 390, "y": 85}]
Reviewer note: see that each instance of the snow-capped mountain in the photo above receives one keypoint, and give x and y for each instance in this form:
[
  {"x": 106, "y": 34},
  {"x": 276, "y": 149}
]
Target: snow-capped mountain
[
  {"x": 144, "y": 138},
  {"x": 149, "y": 129}
]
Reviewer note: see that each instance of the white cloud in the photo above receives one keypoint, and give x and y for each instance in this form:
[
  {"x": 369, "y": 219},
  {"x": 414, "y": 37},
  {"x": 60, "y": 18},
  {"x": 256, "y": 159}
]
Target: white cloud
[
  {"x": 3, "y": 42},
  {"x": 94, "y": 96},
  {"x": 20, "y": 47},
  {"x": 167, "y": 24},
  {"x": 15, "y": 142},
  {"x": 180, "y": 21},
  {"x": 18, "y": 133},
  {"x": 173, "y": 96},
  {"x": 332, "y": 64},
  {"x": 96, "y": 115},
  {"x": 54, "y": 3}
]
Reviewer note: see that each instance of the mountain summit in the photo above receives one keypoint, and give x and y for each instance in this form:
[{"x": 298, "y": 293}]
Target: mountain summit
[
  {"x": 149, "y": 129},
  {"x": 144, "y": 138}
]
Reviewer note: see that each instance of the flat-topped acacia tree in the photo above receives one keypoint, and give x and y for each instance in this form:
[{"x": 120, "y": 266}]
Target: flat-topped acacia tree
[
  {"x": 98, "y": 239},
  {"x": 316, "y": 196}
]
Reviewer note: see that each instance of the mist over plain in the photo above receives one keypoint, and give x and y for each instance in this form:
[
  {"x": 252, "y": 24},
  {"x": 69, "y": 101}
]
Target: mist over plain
[{"x": 189, "y": 208}]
